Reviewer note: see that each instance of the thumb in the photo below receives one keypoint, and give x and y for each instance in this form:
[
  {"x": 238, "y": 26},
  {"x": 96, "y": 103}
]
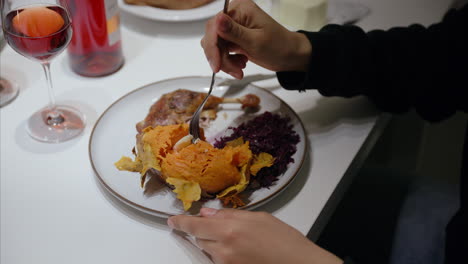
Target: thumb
[{"x": 231, "y": 31}]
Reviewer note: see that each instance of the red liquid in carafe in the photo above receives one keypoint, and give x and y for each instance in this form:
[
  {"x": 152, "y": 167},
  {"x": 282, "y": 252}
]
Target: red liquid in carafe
[{"x": 95, "y": 48}]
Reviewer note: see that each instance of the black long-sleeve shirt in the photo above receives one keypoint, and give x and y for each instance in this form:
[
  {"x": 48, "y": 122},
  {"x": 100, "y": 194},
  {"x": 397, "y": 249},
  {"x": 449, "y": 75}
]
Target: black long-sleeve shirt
[{"x": 399, "y": 69}]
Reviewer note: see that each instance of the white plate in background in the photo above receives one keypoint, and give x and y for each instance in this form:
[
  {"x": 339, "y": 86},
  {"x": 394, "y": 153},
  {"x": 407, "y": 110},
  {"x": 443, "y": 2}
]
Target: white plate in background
[{"x": 168, "y": 15}]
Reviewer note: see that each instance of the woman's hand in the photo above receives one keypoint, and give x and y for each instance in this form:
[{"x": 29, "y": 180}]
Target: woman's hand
[
  {"x": 236, "y": 236},
  {"x": 248, "y": 33}
]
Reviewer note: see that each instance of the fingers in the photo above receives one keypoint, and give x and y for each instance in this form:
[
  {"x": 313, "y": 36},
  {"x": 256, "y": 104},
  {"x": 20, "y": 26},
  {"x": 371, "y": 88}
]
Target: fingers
[
  {"x": 213, "y": 248},
  {"x": 233, "y": 65},
  {"x": 208, "y": 245},
  {"x": 226, "y": 213},
  {"x": 208, "y": 226},
  {"x": 217, "y": 50},
  {"x": 234, "y": 48},
  {"x": 231, "y": 31},
  {"x": 200, "y": 227},
  {"x": 209, "y": 44},
  {"x": 208, "y": 212}
]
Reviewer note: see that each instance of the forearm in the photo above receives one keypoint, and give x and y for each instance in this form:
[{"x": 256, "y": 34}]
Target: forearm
[{"x": 400, "y": 68}]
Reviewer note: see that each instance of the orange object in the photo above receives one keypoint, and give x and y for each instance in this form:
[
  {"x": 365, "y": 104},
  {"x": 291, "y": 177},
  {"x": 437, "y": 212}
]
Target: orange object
[
  {"x": 214, "y": 169},
  {"x": 195, "y": 169},
  {"x": 38, "y": 22}
]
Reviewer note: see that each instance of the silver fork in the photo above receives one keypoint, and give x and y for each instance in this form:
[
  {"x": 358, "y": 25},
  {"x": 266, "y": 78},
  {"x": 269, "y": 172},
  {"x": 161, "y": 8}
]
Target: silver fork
[{"x": 194, "y": 127}]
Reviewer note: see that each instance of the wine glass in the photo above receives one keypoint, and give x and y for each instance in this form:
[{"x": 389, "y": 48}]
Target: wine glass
[
  {"x": 40, "y": 30},
  {"x": 8, "y": 89}
]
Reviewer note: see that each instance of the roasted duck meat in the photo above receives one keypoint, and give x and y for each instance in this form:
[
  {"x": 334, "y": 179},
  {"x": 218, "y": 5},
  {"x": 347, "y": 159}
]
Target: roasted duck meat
[
  {"x": 170, "y": 4},
  {"x": 178, "y": 107}
]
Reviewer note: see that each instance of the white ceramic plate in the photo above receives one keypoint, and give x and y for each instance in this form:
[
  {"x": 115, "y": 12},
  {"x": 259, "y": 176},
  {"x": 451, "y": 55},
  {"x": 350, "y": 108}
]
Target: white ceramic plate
[
  {"x": 114, "y": 136},
  {"x": 160, "y": 14}
]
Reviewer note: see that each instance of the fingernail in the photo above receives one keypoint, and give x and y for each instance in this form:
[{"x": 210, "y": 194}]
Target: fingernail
[
  {"x": 209, "y": 211},
  {"x": 235, "y": 75},
  {"x": 170, "y": 223},
  {"x": 225, "y": 25},
  {"x": 212, "y": 65}
]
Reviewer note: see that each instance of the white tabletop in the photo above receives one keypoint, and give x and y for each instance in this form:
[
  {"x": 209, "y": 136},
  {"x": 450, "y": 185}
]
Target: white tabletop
[{"x": 53, "y": 210}]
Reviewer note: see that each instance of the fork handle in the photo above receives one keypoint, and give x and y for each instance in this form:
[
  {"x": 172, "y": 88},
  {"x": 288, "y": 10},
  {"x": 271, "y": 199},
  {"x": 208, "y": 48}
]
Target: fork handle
[{"x": 226, "y": 6}]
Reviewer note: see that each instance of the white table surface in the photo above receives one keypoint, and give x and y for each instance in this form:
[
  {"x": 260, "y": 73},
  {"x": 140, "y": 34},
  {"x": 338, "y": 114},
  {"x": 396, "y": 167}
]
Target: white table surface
[{"x": 53, "y": 210}]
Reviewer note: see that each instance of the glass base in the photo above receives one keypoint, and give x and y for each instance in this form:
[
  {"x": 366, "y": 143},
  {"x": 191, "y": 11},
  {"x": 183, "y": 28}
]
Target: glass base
[
  {"x": 8, "y": 91},
  {"x": 62, "y": 124}
]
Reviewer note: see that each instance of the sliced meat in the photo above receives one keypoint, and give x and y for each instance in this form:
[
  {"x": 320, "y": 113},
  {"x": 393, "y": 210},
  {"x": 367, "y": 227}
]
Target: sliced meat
[
  {"x": 176, "y": 108},
  {"x": 179, "y": 106}
]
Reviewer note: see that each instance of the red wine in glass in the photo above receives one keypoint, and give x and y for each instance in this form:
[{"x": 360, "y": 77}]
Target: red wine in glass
[
  {"x": 40, "y": 30},
  {"x": 42, "y": 48}
]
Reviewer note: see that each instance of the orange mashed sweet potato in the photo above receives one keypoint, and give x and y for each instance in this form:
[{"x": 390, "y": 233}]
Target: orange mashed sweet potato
[
  {"x": 197, "y": 168},
  {"x": 214, "y": 169}
]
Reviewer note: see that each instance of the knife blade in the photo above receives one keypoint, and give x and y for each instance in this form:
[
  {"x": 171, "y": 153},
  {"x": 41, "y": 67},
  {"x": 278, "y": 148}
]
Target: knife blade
[{"x": 246, "y": 80}]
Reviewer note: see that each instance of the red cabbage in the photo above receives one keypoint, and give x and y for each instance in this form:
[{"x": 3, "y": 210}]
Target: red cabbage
[{"x": 268, "y": 133}]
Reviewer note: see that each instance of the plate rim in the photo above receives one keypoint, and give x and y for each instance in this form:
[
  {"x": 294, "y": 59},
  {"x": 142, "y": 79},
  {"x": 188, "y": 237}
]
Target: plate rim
[
  {"x": 165, "y": 214},
  {"x": 129, "y": 9}
]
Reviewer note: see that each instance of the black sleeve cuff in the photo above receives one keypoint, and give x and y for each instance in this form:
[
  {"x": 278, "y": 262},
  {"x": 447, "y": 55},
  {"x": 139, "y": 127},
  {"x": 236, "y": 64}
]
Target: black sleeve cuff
[
  {"x": 320, "y": 72},
  {"x": 292, "y": 80},
  {"x": 348, "y": 260}
]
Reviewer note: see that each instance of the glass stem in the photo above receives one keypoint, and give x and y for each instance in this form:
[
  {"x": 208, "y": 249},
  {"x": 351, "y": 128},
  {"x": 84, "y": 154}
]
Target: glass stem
[{"x": 54, "y": 117}]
